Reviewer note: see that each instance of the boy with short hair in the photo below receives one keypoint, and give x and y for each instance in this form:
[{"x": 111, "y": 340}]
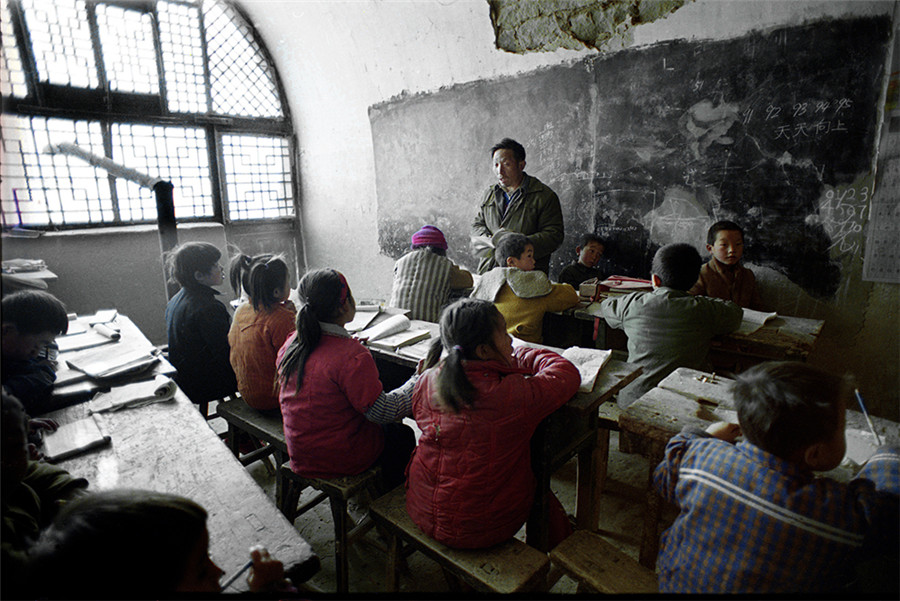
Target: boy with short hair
[
  {"x": 31, "y": 321},
  {"x": 589, "y": 254},
  {"x": 521, "y": 293},
  {"x": 668, "y": 328},
  {"x": 753, "y": 516},
  {"x": 724, "y": 277},
  {"x": 197, "y": 324}
]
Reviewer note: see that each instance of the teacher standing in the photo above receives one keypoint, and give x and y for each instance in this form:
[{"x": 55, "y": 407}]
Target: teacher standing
[{"x": 517, "y": 203}]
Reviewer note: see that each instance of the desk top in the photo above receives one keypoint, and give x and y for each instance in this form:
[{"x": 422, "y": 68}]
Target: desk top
[
  {"x": 688, "y": 397},
  {"x": 169, "y": 447}
]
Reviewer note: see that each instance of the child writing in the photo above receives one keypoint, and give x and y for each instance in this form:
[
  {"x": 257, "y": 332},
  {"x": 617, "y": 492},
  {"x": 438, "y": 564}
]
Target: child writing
[
  {"x": 144, "y": 543},
  {"x": 470, "y": 479},
  {"x": 590, "y": 252},
  {"x": 724, "y": 277},
  {"x": 424, "y": 277},
  {"x": 32, "y": 493},
  {"x": 260, "y": 326},
  {"x": 197, "y": 324},
  {"x": 668, "y": 328},
  {"x": 522, "y": 294},
  {"x": 753, "y": 515},
  {"x": 31, "y": 321},
  {"x": 338, "y": 421}
]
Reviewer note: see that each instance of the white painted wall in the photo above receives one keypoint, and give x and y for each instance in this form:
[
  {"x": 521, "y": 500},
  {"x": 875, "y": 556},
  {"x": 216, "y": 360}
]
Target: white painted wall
[{"x": 337, "y": 58}]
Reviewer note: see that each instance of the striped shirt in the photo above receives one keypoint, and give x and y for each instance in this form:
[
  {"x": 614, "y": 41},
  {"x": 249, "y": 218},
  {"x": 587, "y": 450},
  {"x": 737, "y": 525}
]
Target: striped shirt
[
  {"x": 750, "y": 522},
  {"x": 421, "y": 284}
]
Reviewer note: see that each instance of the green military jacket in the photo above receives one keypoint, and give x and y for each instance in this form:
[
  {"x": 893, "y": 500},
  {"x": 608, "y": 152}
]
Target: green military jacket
[{"x": 537, "y": 215}]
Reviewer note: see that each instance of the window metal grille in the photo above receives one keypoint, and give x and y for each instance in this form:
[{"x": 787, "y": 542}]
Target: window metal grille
[
  {"x": 259, "y": 177},
  {"x": 61, "y": 42},
  {"x": 129, "y": 55},
  {"x": 42, "y": 189},
  {"x": 182, "y": 53},
  {"x": 176, "y": 154},
  {"x": 12, "y": 76},
  {"x": 168, "y": 71},
  {"x": 235, "y": 63}
]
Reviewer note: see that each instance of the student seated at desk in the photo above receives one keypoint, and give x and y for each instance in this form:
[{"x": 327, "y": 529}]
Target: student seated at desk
[
  {"x": 668, "y": 328},
  {"x": 136, "y": 544},
  {"x": 724, "y": 277},
  {"x": 31, "y": 321},
  {"x": 521, "y": 293},
  {"x": 754, "y": 518},
  {"x": 589, "y": 253},
  {"x": 338, "y": 421},
  {"x": 260, "y": 326},
  {"x": 424, "y": 277},
  {"x": 197, "y": 324},
  {"x": 470, "y": 479},
  {"x": 32, "y": 493}
]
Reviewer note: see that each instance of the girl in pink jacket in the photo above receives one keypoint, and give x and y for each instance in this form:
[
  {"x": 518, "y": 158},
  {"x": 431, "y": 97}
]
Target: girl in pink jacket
[{"x": 470, "y": 482}]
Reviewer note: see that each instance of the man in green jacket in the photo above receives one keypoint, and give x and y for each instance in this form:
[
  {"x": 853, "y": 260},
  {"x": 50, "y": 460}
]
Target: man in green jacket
[{"x": 517, "y": 203}]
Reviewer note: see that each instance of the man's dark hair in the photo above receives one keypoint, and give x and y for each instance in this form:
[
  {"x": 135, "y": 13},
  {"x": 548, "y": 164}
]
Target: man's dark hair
[
  {"x": 677, "y": 265},
  {"x": 722, "y": 226},
  {"x": 786, "y": 406},
  {"x": 512, "y": 245},
  {"x": 35, "y": 312},
  {"x": 589, "y": 237},
  {"x": 510, "y": 144}
]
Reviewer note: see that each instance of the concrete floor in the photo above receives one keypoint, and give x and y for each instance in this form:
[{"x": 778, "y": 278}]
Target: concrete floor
[{"x": 622, "y": 504}]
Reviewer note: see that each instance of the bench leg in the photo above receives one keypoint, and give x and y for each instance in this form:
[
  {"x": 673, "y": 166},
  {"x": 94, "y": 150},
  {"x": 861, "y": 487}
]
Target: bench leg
[
  {"x": 233, "y": 444},
  {"x": 339, "y": 515},
  {"x": 290, "y": 496},
  {"x": 650, "y": 535},
  {"x": 392, "y": 583}
]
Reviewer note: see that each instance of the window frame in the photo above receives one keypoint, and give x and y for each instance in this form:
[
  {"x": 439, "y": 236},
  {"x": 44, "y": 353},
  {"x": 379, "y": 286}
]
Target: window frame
[{"x": 48, "y": 100}]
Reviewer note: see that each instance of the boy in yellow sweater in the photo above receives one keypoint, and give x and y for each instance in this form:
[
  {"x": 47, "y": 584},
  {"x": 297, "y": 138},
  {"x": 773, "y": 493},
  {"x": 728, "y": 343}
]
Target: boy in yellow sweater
[{"x": 520, "y": 293}]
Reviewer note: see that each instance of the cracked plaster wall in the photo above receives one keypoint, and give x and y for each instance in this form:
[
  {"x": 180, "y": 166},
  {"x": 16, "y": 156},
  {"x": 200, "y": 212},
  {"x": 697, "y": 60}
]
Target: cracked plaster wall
[{"x": 545, "y": 25}]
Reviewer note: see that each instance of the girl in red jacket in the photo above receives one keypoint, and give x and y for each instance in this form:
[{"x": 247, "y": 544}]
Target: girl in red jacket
[
  {"x": 470, "y": 483},
  {"x": 337, "y": 419}
]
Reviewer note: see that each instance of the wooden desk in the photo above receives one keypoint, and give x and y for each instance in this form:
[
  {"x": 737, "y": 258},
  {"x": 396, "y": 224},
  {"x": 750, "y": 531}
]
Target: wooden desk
[
  {"x": 688, "y": 397},
  {"x": 571, "y": 431},
  {"x": 74, "y": 387},
  {"x": 168, "y": 447},
  {"x": 781, "y": 339}
]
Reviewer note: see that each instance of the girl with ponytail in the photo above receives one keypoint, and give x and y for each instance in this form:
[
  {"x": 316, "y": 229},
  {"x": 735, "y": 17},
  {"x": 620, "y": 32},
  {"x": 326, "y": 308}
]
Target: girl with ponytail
[
  {"x": 260, "y": 326},
  {"x": 338, "y": 421},
  {"x": 470, "y": 479}
]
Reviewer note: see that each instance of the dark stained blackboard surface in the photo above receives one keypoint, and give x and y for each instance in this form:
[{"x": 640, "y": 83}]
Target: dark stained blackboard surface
[{"x": 651, "y": 145}]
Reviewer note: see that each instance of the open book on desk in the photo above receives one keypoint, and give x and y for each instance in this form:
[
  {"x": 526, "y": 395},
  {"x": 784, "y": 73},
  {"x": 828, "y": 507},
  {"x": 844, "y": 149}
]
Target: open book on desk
[
  {"x": 754, "y": 320},
  {"x": 589, "y": 361}
]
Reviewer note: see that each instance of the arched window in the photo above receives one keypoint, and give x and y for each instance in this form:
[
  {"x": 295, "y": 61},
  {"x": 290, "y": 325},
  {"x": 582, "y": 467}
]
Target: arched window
[{"x": 182, "y": 90}]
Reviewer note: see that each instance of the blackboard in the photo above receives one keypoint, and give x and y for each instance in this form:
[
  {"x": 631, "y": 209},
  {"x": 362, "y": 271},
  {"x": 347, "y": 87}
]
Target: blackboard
[{"x": 648, "y": 146}]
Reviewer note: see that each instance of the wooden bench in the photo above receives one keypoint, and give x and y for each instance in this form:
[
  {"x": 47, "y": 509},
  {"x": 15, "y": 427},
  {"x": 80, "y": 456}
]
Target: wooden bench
[
  {"x": 338, "y": 491},
  {"x": 508, "y": 567},
  {"x": 265, "y": 427},
  {"x": 599, "y": 566}
]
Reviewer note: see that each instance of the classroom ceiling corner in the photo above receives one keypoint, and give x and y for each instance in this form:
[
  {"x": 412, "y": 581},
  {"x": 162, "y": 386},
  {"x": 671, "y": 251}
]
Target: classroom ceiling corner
[{"x": 522, "y": 26}]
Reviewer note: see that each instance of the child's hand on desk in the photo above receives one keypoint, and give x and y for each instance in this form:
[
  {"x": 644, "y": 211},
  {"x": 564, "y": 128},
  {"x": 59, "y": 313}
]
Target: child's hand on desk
[
  {"x": 724, "y": 431},
  {"x": 267, "y": 572},
  {"x": 36, "y": 428}
]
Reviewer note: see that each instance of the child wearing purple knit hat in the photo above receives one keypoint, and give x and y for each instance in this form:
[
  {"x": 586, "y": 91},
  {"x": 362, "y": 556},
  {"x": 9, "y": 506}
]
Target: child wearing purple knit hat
[{"x": 424, "y": 277}]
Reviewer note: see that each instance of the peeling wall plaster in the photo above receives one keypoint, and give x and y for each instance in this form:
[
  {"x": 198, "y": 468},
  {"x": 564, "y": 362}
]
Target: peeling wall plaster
[{"x": 547, "y": 25}]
